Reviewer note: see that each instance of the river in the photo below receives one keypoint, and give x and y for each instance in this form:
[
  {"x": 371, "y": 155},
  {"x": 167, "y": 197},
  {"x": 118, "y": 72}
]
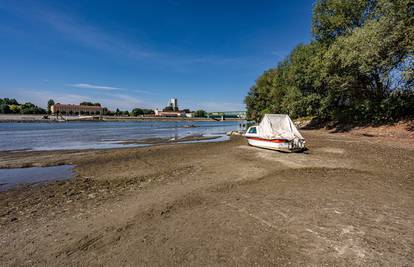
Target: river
[{"x": 99, "y": 135}]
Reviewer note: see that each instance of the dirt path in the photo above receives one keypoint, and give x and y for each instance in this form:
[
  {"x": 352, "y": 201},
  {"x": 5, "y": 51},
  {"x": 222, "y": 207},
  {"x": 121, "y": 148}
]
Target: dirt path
[{"x": 349, "y": 201}]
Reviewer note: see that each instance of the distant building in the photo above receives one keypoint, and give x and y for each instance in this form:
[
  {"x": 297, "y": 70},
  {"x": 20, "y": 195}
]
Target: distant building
[
  {"x": 228, "y": 114},
  {"x": 160, "y": 113},
  {"x": 69, "y": 109},
  {"x": 173, "y": 103}
]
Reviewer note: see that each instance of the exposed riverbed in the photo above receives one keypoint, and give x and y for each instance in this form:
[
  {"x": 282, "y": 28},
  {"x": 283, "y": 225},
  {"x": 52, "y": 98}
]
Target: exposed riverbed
[{"x": 347, "y": 202}]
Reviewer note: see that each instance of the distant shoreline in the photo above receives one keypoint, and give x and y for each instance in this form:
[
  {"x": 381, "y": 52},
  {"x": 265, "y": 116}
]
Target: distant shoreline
[{"x": 52, "y": 119}]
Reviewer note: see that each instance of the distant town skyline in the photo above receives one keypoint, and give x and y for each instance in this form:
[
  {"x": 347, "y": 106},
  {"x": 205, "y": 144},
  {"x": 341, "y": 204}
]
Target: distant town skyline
[{"x": 127, "y": 55}]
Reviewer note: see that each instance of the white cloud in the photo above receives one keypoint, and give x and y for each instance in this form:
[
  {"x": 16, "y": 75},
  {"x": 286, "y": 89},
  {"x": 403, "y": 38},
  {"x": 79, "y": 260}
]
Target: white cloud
[
  {"x": 107, "y": 88},
  {"x": 40, "y": 98},
  {"x": 94, "y": 86},
  {"x": 143, "y": 92}
]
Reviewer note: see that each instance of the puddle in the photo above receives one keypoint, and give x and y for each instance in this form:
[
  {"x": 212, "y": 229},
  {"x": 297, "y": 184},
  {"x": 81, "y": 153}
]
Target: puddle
[
  {"x": 10, "y": 178},
  {"x": 208, "y": 139}
]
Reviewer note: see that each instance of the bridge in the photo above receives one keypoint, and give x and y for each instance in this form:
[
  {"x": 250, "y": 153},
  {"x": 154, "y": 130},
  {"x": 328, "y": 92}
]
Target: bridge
[{"x": 222, "y": 115}]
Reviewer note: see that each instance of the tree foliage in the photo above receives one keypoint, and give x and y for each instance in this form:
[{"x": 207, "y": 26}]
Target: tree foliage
[
  {"x": 90, "y": 104},
  {"x": 11, "y": 106},
  {"x": 170, "y": 109},
  {"x": 200, "y": 113},
  {"x": 137, "y": 112},
  {"x": 358, "y": 68},
  {"x": 333, "y": 18},
  {"x": 141, "y": 111},
  {"x": 50, "y": 103},
  {"x": 8, "y": 101}
]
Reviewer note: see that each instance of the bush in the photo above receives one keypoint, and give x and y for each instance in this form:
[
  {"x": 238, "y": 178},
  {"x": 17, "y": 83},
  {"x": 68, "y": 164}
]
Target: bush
[
  {"x": 200, "y": 114},
  {"x": 137, "y": 112},
  {"x": 4, "y": 109}
]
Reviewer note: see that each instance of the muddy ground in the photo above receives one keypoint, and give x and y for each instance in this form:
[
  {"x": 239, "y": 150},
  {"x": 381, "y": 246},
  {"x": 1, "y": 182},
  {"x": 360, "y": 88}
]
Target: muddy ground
[{"x": 348, "y": 201}]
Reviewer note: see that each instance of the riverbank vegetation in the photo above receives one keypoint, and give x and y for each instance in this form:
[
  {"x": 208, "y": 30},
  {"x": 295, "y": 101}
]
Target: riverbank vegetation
[
  {"x": 141, "y": 111},
  {"x": 200, "y": 113},
  {"x": 11, "y": 106},
  {"x": 357, "y": 69}
]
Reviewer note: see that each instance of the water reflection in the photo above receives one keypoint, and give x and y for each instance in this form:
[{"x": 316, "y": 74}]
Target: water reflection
[{"x": 10, "y": 178}]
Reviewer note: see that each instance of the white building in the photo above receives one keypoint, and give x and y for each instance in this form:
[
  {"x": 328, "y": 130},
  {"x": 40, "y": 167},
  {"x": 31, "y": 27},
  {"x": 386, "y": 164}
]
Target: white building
[
  {"x": 160, "y": 113},
  {"x": 173, "y": 103}
]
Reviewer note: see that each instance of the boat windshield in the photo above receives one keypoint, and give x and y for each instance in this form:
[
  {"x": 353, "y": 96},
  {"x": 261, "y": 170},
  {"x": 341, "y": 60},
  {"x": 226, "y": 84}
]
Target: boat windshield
[{"x": 253, "y": 130}]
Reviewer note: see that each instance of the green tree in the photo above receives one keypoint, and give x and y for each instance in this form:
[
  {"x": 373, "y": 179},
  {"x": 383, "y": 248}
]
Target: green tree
[
  {"x": 259, "y": 100},
  {"x": 30, "y": 108},
  {"x": 148, "y": 111},
  {"x": 168, "y": 109},
  {"x": 14, "y": 109},
  {"x": 137, "y": 112},
  {"x": 4, "y": 108},
  {"x": 200, "y": 113},
  {"x": 90, "y": 104},
  {"x": 9, "y": 101},
  {"x": 333, "y": 18},
  {"x": 357, "y": 69},
  {"x": 50, "y": 103}
]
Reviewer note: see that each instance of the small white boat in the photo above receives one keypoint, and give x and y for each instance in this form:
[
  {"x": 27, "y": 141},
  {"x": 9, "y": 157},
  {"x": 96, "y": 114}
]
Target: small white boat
[{"x": 276, "y": 132}]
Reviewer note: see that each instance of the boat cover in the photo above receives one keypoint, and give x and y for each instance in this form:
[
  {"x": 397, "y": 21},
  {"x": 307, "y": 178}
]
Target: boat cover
[{"x": 278, "y": 126}]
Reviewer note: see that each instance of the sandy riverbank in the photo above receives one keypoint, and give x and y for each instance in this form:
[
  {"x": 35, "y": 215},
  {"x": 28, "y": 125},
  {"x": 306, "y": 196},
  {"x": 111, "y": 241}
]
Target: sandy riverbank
[{"x": 348, "y": 201}]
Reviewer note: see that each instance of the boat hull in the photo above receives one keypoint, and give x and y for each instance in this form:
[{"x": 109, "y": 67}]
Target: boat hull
[{"x": 269, "y": 144}]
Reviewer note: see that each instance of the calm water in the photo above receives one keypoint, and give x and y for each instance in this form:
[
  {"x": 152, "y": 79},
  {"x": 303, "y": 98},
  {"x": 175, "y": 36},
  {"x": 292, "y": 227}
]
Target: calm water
[
  {"x": 86, "y": 135},
  {"x": 10, "y": 178}
]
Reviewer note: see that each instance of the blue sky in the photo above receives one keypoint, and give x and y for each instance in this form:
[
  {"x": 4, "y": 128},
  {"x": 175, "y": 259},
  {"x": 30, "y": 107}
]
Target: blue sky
[{"x": 126, "y": 55}]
